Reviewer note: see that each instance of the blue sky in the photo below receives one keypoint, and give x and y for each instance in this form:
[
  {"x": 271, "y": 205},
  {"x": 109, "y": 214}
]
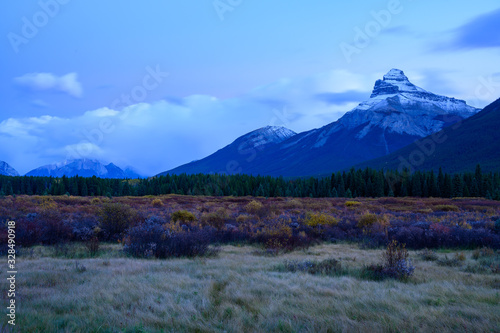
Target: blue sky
[{"x": 155, "y": 84}]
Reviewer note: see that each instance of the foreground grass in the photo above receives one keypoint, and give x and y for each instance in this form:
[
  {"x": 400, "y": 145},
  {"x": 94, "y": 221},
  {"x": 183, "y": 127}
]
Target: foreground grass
[{"x": 242, "y": 291}]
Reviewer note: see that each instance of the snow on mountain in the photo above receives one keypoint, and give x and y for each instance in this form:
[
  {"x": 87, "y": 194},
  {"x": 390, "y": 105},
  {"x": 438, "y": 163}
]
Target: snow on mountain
[
  {"x": 398, "y": 106},
  {"x": 80, "y": 167},
  {"x": 7, "y": 170},
  {"x": 235, "y": 157},
  {"x": 396, "y": 114},
  {"x": 265, "y": 136},
  {"x": 475, "y": 141}
]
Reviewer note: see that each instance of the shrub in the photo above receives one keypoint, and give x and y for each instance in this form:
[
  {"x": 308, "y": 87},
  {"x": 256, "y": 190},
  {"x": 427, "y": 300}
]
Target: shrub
[
  {"x": 215, "y": 219},
  {"x": 484, "y": 252},
  {"x": 243, "y": 218},
  {"x": 330, "y": 267},
  {"x": 446, "y": 208},
  {"x": 152, "y": 240},
  {"x": 428, "y": 255},
  {"x": 53, "y": 229},
  {"x": 497, "y": 225},
  {"x": 255, "y": 208},
  {"x": 92, "y": 246},
  {"x": 373, "y": 272},
  {"x": 157, "y": 203},
  {"x": 352, "y": 203},
  {"x": 319, "y": 219},
  {"x": 83, "y": 227},
  {"x": 396, "y": 262},
  {"x": 367, "y": 220},
  {"x": 278, "y": 235},
  {"x": 450, "y": 262},
  {"x": 183, "y": 216},
  {"x": 114, "y": 219},
  {"x": 292, "y": 204}
]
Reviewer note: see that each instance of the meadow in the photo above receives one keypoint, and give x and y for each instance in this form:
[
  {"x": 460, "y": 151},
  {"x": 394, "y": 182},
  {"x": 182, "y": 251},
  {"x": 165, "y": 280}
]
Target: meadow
[{"x": 252, "y": 264}]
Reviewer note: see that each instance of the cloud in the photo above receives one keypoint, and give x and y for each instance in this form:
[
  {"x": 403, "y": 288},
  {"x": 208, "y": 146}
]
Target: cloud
[
  {"x": 155, "y": 137},
  {"x": 67, "y": 84},
  {"x": 481, "y": 32}
]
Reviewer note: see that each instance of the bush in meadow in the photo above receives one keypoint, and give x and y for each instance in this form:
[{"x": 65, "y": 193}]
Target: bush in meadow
[
  {"x": 115, "y": 219},
  {"x": 396, "y": 262},
  {"x": 255, "y": 208},
  {"x": 154, "y": 240},
  {"x": 183, "y": 216},
  {"x": 319, "y": 219},
  {"x": 215, "y": 219}
]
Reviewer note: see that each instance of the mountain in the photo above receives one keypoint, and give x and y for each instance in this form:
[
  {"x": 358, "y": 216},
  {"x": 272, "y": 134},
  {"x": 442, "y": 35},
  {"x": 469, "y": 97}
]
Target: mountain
[
  {"x": 396, "y": 114},
  {"x": 82, "y": 168},
  {"x": 7, "y": 170},
  {"x": 237, "y": 156},
  {"x": 456, "y": 148},
  {"x": 132, "y": 173}
]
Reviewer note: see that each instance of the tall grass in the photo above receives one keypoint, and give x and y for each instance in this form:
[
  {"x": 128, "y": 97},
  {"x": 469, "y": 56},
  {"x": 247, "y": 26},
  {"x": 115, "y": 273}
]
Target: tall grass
[{"x": 238, "y": 291}]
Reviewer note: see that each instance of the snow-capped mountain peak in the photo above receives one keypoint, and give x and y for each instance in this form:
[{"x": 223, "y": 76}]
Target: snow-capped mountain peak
[
  {"x": 7, "y": 170},
  {"x": 264, "y": 136},
  {"x": 396, "y": 105},
  {"x": 81, "y": 167},
  {"x": 394, "y": 82}
]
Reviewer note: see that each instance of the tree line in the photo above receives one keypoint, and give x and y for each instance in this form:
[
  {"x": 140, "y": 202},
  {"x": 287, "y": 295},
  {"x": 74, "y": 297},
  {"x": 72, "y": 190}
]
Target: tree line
[{"x": 350, "y": 184}]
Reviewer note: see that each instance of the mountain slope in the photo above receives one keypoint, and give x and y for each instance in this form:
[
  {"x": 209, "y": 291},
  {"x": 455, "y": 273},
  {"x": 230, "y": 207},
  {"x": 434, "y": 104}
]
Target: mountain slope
[
  {"x": 7, "y": 170},
  {"x": 80, "y": 167},
  {"x": 396, "y": 114},
  {"x": 235, "y": 157},
  {"x": 456, "y": 149}
]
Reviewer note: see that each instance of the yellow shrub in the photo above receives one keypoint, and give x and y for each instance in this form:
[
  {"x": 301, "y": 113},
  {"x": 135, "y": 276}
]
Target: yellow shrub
[
  {"x": 183, "y": 216},
  {"x": 352, "y": 203},
  {"x": 243, "y": 218},
  {"x": 157, "y": 203},
  {"x": 315, "y": 219},
  {"x": 367, "y": 220},
  {"x": 215, "y": 219},
  {"x": 446, "y": 208},
  {"x": 292, "y": 204},
  {"x": 254, "y": 207}
]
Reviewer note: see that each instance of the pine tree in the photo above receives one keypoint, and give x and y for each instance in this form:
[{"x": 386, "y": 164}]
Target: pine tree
[{"x": 458, "y": 186}]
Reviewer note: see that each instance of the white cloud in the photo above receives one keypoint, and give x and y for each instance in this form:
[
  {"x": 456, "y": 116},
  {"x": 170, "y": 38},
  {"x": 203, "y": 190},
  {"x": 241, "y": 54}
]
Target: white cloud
[
  {"x": 162, "y": 135},
  {"x": 67, "y": 84}
]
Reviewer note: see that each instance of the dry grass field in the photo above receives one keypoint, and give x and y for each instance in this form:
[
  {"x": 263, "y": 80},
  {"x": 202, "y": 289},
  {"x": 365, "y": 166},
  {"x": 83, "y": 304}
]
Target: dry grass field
[
  {"x": 243, "y": 264},
  {"x": 242, "y": 290}
]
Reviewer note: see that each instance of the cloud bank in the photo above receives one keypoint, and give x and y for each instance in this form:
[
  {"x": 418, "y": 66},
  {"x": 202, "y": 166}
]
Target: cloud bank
[
  {"x": 481, "y": 32},
  {"x": 155, "y": 137}
]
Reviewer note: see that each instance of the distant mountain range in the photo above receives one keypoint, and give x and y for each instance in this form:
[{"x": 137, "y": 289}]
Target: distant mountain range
[
  {"x": 83, "y": 168},
  {"x": 396, "y": 114},
  {"x": 400, "y": 125},
  {"x": 456, "y": 148},
  {"x": 7, "y": 170}
]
